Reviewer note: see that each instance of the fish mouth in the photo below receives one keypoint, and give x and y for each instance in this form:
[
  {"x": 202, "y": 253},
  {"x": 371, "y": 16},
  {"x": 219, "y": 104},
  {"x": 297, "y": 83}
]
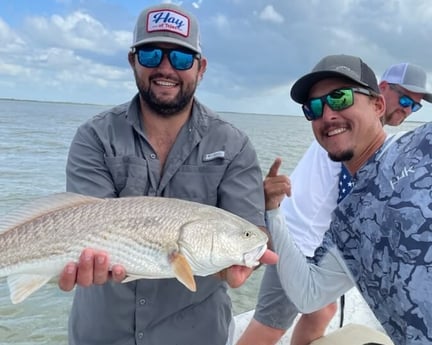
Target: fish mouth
[{"x": 251, "y": 258}]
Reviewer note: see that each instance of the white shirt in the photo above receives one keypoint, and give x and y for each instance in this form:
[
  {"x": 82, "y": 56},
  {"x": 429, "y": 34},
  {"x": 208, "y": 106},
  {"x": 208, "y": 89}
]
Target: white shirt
[{"x": 314, "y": 196}]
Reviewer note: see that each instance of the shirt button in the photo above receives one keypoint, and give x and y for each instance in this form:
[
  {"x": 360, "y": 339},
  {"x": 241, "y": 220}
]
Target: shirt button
[
  {"x": 140, "y": 335},
  {"x": 153, "y": 156},
  {"x": 142, "y": 301}
]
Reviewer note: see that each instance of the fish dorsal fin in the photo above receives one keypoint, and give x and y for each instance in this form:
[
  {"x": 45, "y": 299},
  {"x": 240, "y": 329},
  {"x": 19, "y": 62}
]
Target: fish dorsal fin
[
  {"x": 23, "y": 285},
  {"x": 44, "y": 205},
  {"x": 182, "y": 270}
]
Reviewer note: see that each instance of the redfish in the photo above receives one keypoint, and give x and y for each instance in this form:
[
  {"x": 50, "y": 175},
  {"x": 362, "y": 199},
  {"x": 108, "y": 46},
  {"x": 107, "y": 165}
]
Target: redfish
[{"x": 152, "y": 237}]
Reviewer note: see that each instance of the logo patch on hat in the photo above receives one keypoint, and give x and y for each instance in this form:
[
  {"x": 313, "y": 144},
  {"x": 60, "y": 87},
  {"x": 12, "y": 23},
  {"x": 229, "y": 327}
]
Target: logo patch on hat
[{"x": 168, "y": 20}]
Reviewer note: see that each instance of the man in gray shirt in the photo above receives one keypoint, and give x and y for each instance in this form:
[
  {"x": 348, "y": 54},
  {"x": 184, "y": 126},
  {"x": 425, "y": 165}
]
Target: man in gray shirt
[{"x": 161, "y": 143}]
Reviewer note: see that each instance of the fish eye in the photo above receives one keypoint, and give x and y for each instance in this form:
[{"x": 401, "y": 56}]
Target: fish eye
[{"x": 247, "y": 234}]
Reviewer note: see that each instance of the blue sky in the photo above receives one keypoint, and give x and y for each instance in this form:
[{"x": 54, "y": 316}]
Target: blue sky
[{"x": 76, "y": 50}]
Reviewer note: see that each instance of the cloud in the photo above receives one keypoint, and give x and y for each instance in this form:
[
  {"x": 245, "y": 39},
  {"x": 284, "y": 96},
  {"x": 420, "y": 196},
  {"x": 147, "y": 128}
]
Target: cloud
[
  {"x": 197, "y": 4},
  {"x": 256, "y": 49},
  {"x": 77, "y": 30},
  {"x": 269, "y": 14},
  {"x": 64, "y": 57},
  {"x": 9, "y": 40}
]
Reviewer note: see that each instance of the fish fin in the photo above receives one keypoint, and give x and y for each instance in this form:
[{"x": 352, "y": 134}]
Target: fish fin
[
  {"x": 130, "y": 278},
  {"x": 182, "y": 270},
  {"x": 41, "y": 206},
  {"x": 23, "y": 285}
]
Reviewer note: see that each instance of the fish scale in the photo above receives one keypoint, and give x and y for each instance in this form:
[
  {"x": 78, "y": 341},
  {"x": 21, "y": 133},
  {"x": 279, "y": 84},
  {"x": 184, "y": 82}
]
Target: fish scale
[{"x": 152, "y": 237}]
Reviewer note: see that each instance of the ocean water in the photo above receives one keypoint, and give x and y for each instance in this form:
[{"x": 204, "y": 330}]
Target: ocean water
[{"x": 34, "y": 141}]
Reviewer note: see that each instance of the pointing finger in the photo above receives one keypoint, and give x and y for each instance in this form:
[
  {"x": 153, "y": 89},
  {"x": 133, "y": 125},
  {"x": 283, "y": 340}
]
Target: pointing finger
[{"x": 274, "y": 169}]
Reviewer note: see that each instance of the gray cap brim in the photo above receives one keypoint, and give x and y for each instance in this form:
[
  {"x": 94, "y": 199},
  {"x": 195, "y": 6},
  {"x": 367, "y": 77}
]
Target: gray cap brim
[
  {"x": 301, "y": 88},
  {"x": 167, "y": 39},
  {"x": 413, "y": 88}
]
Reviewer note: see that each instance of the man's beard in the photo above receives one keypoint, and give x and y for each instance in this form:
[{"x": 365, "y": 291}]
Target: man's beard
[
  {"x": 167, "y": 108},
  {"x": 389, "y": 118},
  {"x": 341, "y": 157}
]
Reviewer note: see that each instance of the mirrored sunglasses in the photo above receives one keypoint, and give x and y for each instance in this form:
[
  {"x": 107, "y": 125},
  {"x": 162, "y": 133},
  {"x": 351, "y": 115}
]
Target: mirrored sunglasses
[
  {"x": 405, "y": 100},
  {"x": 179, "y": 59},
  {"x": 338, "y": 99}
]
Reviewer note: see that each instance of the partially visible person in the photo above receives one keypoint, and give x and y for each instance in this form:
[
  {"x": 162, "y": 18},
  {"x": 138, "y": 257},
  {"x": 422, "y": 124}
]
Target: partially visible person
[
  {"x": 314, "y": 195},
  {"x": 163, "y": 143},
  {"x": 403, "y": 86},
  {"x": 307, "y": 214},
  {"x": 380, "y": 234}
]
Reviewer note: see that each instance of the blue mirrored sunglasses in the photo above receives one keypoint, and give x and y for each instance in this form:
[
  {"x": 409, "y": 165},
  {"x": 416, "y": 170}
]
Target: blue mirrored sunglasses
[
  {"x": 337, "y": 100},
  {"x": 180, "y": 59},
  {"x": 405, "y": 100}
]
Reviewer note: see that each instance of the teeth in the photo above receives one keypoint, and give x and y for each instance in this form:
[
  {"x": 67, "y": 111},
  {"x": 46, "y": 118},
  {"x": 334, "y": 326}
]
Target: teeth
[
  {"x": 336, "y": 131},
  {"x": 164, "y": 83}
]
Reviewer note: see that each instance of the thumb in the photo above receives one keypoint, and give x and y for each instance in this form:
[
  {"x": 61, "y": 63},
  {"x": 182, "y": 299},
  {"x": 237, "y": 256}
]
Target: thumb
[{"x": 274, "y": 169}]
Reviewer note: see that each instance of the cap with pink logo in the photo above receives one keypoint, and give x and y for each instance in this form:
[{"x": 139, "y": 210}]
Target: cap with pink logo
[{"x": 167, "y": 23}]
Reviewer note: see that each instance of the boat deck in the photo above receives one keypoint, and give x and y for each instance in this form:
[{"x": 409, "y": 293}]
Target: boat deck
[{"x": 356, "y": 312}]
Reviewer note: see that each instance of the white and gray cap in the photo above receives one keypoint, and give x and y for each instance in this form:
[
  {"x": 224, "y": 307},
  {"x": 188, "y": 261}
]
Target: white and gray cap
[
  {"x": 167, "y": 23},
  {"x": 411, "y": 77}
]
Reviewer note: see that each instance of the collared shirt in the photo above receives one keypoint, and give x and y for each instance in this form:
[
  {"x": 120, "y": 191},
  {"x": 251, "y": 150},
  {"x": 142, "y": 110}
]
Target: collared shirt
[{"x": 211, "y": 162}]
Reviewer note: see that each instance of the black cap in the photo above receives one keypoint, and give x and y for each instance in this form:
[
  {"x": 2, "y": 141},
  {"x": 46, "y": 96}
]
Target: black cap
[{"x": 332, "y": 66}]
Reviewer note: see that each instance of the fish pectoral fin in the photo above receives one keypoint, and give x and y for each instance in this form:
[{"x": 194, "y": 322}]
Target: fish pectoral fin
[
  {"x": 182, "y": 270},
  {"x": 23, "y": 285},
  {"x": 131, "y": 278}
]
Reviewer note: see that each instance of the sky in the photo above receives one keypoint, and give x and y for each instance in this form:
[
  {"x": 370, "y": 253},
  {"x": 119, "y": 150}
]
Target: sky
[{"x": 76, "y": 50}]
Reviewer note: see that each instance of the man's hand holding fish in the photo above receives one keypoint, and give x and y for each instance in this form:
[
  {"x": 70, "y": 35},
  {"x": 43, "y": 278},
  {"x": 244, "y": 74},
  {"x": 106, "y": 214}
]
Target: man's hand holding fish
[{"x": 93, "y": 268}]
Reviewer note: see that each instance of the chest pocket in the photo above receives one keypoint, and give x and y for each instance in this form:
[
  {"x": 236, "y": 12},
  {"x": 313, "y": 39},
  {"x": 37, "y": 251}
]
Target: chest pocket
[
  {"x": 130, "y": 175},
  {"x": 199, "y": 183}
]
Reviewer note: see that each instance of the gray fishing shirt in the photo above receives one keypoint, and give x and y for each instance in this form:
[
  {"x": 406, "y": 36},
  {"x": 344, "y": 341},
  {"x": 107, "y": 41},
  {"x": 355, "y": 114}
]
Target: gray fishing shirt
[
  {"x": 211, "y": 162},
  {"x": 379, "y": 240}
]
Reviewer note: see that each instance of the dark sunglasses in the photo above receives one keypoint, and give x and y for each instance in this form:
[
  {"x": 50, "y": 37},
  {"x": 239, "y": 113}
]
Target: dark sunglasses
[
  {"x": 337, "y": 100},
  {"x": 404, "y": 100},
  {"x": 180, "y": 59}
]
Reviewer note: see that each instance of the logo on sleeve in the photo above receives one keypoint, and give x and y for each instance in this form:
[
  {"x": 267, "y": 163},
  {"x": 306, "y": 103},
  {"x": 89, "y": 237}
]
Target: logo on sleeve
[
  {"x": 404, "y": 173},
  {"x": 168, "y": 20}
]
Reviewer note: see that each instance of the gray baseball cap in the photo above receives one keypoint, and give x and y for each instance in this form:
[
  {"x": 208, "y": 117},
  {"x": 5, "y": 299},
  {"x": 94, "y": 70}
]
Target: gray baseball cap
[
  {"x": 332, "y": 66},
  {"x": 410, "y": 77},
  {"x": 167, "y": 23}
]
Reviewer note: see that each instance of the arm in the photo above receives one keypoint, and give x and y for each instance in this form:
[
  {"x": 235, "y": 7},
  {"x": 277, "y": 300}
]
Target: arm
[
  {"x": 86, "y": 170},
  {"x": 313, "y": 286},
  {"x": 309, "y": 286},
  {"x": 241, "y": 190}
]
